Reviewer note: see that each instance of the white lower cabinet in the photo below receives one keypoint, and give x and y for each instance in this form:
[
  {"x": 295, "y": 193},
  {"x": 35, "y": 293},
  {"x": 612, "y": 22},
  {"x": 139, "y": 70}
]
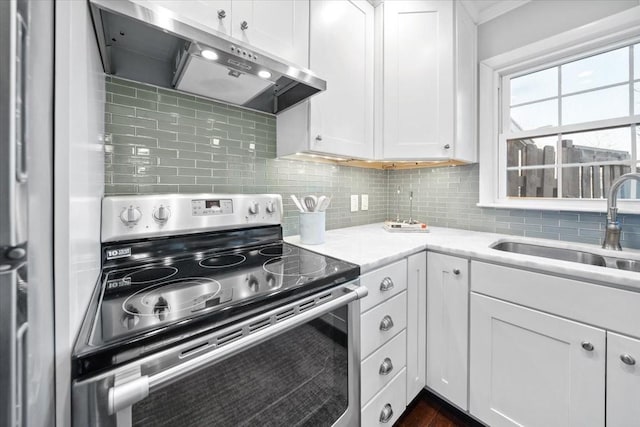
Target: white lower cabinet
[
  {"x": 392, "y": 339},
  {"x": 530, "y": 368},
  {"x": 447, "y": 326},
  {"x": 378, "y": 369},
  {"x": 623, "y": 381},
  {"x": 381, "y": 323},
  {"x": 416, "y": 323},
  {"x": 386, "y": 406}
]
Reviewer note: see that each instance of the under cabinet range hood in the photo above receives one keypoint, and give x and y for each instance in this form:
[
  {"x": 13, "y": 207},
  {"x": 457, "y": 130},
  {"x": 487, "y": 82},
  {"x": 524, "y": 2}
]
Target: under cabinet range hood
[{"x": 150, "y": 45}]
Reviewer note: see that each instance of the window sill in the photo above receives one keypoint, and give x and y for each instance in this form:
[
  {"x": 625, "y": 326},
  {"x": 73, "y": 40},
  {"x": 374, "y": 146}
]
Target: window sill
[{"x": 599, "y": 206}]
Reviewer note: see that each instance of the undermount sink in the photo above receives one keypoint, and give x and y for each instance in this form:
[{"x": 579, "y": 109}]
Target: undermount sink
[
  {"x": 628, "y": 264},
  {"x": 564, "y": 254},
  {"x": 553, "y": 253}
]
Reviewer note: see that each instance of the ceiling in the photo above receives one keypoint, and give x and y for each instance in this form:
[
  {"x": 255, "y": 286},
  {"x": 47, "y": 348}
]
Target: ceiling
[
  {"x": 482, "y": 10},
  {"x": 485, "y": 10}
]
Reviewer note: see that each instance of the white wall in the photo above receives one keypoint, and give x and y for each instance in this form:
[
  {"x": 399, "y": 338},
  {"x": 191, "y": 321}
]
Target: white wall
[
  {"x": 540, "y": 19},
  {"x": 79, "y": 182}
]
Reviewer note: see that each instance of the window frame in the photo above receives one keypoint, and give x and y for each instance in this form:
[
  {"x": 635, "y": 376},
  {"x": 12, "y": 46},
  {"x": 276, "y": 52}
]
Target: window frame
[{"x": 609, "y": 33}]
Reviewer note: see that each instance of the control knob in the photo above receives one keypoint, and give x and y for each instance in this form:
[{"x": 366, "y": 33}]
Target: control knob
[
  {"x": 271, "y": 207},
  {"x": 254, "y": 208},
  {"x": 130, "y": 216},
  {"x": 162, "y": 214}
]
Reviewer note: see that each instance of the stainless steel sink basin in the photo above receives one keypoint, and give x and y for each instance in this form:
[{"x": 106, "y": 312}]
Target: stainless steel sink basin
[
  {"x": 628, "y": 264},
  {"x": 572, "y": 255},
  {"x": 550, "y": 252}
]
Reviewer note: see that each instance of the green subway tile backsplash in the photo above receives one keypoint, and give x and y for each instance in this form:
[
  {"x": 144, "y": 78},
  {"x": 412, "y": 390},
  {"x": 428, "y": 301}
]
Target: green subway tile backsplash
[
  {"x": 447, "y": 197},
  {"x": 161, "y": 141}
]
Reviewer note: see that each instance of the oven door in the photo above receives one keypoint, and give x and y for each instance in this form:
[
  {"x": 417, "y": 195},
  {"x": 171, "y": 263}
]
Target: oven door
[{"x": 297, "y": 365}]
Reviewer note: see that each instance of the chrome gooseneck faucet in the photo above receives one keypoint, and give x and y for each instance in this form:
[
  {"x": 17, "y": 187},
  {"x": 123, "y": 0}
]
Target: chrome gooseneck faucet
[{"x": 612, "y": 232}]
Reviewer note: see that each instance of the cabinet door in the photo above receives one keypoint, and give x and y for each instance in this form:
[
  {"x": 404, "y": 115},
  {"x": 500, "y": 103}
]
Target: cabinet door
[
  {"x": 529, "y": 368},
  {"x": 280, "y": 27},
  {"x": 212, "y": 14},
  {"x": 341, "y": 46},
  {"x": 416, "y": 323},
  {"x": 623, "y": 381},
  {"x": 418, "y": 79},
  {"x": 447, "y": 326}
]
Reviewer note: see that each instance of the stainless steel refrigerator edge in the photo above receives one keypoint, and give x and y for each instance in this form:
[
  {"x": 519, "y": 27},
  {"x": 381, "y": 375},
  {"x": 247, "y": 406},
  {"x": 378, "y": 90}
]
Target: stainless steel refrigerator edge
[{"x": 26, "y": 277}]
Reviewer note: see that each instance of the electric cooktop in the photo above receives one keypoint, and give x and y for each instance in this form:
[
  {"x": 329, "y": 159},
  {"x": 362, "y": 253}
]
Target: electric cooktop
[{"x": 160, "y": 291}]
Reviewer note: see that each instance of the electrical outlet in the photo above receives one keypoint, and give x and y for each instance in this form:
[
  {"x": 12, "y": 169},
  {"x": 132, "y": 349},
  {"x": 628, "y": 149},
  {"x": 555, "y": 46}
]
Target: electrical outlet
[
  {"x": 365, "y": 202},
  {"x": 354, "y": 203}
]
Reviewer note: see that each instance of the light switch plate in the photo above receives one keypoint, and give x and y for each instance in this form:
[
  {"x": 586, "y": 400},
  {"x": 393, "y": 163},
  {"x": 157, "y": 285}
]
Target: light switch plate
[
  {"x": 364, "y": 204},
  {"x": 354, "y": 203}
]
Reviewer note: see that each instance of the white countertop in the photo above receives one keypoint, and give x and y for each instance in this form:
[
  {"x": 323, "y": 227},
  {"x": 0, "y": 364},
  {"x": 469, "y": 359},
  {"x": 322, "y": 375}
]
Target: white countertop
[{"x": 371, "y": 246}]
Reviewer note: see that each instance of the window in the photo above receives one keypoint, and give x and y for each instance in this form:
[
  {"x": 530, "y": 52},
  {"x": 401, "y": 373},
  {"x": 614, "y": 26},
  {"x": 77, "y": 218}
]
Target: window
[
  {"x": 570, "y": 130},
  {"x": 559, "y": 119}
]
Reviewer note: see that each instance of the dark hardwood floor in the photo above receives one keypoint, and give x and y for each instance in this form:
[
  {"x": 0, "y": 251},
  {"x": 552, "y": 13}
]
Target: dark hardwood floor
[{"x": 428, "y": 410}]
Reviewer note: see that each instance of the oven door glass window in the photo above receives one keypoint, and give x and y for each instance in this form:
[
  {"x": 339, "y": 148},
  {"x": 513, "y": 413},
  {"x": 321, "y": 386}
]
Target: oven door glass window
[{"x": 299, "y": 378}]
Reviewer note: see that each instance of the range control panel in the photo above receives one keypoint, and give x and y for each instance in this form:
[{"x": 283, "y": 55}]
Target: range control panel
[
  {"x": 202, "y": 207},
  {"x": 135, "y": 217}
]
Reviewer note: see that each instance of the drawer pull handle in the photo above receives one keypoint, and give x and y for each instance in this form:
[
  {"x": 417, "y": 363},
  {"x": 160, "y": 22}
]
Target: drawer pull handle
[
  {"x": 587, "y": 345},
  {"x": 386, "y": 367},
  {"x": 386, "y": 413},
  {"x": 626, "y": 359},
  {"x": 456, "y": 271},
  {"x": 386, "y": 284},
  {"x": 386, "y": 323}
]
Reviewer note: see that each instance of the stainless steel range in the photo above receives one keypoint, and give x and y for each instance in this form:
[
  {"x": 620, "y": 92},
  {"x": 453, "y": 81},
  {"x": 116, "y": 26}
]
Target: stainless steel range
[{"x": 204, "y": 316}]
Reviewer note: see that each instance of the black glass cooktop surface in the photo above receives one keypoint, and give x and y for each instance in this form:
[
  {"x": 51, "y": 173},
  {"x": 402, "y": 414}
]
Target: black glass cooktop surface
[{"x": 150, "y": 300}]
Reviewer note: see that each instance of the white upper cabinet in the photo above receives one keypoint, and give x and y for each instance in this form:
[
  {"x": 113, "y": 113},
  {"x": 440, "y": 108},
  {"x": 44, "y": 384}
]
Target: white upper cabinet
[
  {"x": 338, "y": 121},
  {"x": 280, "y": 27},
  {"x": 211, "y": 14},
  {"x": 429, "y": 81}
]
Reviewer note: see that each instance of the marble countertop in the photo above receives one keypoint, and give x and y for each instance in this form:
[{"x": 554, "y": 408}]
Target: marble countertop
[{"x": 371, "y": 246}]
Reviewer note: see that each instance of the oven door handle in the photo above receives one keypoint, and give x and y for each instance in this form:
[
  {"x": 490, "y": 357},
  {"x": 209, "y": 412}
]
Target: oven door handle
[{"x": 124, "y": 395}]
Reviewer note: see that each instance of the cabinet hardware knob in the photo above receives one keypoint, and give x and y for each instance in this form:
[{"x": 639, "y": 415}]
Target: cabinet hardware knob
[
  {"x": 456, "y": 271},
  {"x": 386, "y": 284},
  {"x": 222, "y": 14},
  {"x": 627, "y": 359},
  {"x": 587, "y": 345},
  {"x": 386, "y": 367},
  {"x": 318, "y": 137},
  {"x": 244, "y": 25},
  {"x": 386, "y": 414},
  {"x": 386, "y": 323},
  {"x": 447, "y": 146}
]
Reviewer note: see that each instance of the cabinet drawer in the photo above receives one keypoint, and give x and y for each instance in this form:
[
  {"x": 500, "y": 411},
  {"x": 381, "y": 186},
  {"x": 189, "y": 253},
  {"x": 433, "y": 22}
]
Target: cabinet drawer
[
  {"x": 379, "y": 368},
  {"x": 384, "y": 283},
  {"x": 607, "y": 307},
  {"x": 387, "y": 406},
  {"x": 381, "y": 323}
]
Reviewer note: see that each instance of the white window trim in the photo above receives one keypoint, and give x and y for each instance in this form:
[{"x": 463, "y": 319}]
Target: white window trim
[{"x": 615, "y": 29}]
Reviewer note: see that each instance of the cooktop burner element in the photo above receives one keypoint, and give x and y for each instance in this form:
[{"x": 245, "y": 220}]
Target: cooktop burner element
[
  {"x": 298, "y": 265},
  {"x": 278, "y": 250},
  {"x": 192, "y": 294},
  {"x": 151, "y": 274},
  {"x": 222, "y": 261}
]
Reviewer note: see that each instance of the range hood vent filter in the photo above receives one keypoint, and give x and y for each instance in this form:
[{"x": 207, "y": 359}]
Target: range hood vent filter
[{"x": 149, "y": 45}]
